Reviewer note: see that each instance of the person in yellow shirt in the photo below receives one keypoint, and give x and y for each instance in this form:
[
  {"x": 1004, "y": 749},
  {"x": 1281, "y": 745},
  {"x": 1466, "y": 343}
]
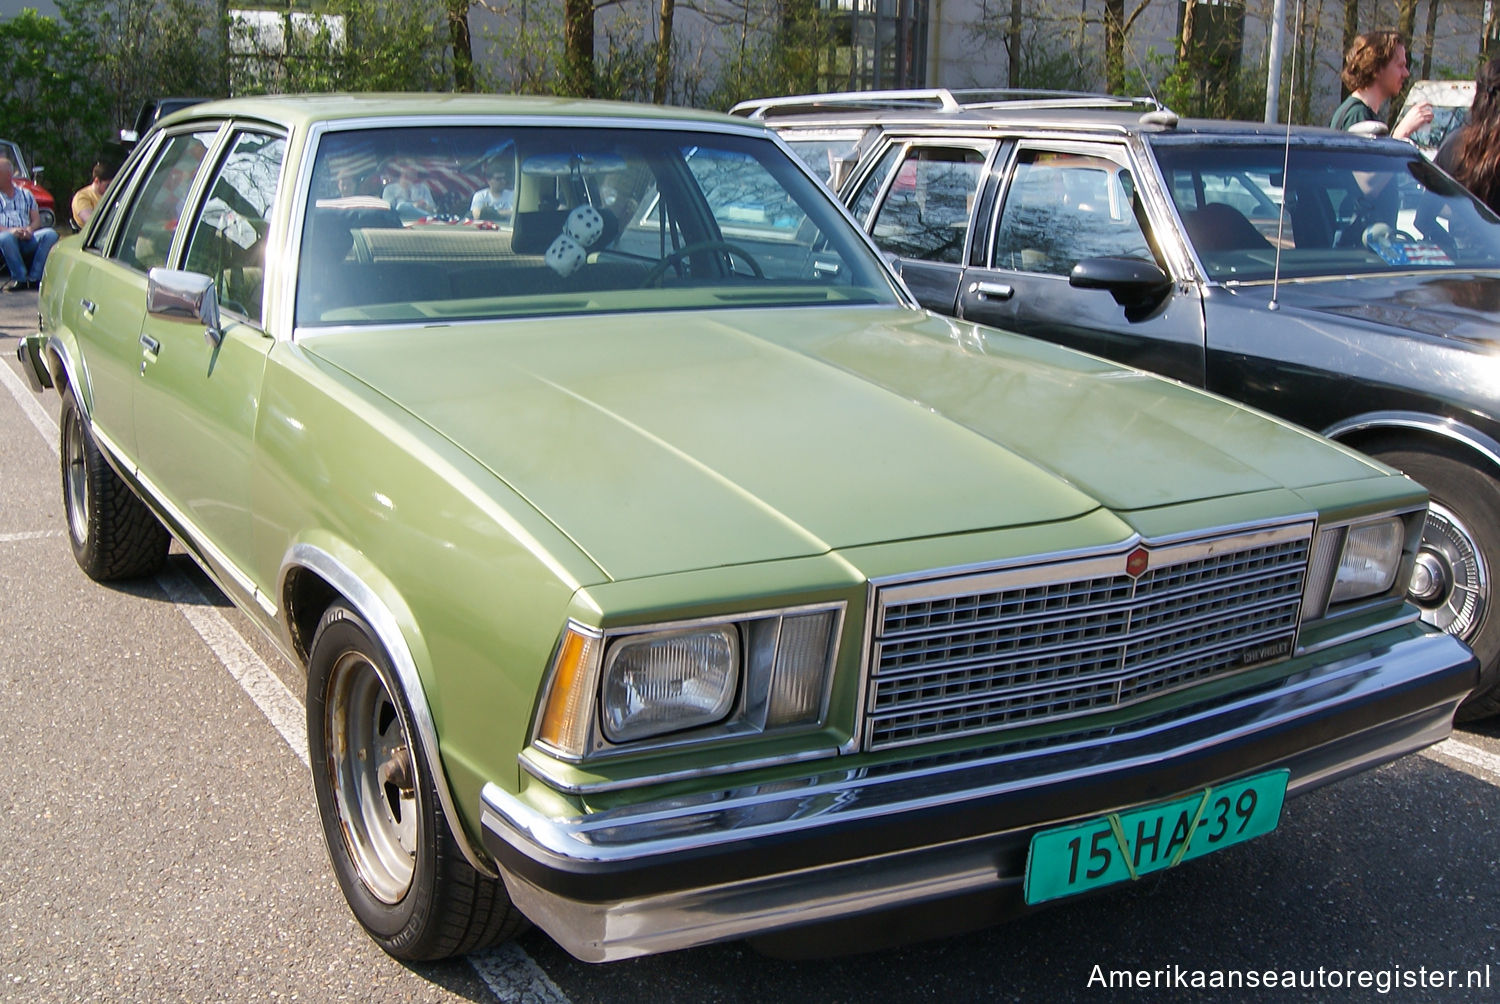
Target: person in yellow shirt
[{"x": 86, "y": 199}]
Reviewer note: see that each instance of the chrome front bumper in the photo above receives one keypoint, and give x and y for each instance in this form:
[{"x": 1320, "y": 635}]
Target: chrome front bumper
[
  {"x": 680, "y": 872},
  {"x": 33, "y": 365}
]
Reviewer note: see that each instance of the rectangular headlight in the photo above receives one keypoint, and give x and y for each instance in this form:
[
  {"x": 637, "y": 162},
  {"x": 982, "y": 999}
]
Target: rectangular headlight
[
  {"x": 657, "y": 683},
  {"x": 1353, "y": 562},
  {"x": 635, "y": 688},
  {"x": 1371, "y": 558}
]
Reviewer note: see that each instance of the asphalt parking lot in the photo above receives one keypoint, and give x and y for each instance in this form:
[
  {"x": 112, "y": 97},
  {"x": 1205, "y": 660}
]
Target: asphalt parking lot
[{"x": 161, "y": 844}]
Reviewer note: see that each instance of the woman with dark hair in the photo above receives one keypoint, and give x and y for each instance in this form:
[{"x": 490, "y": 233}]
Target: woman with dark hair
[
  {"x": 1472, "y": 153},
  {"x": 1375, "y": 71}
]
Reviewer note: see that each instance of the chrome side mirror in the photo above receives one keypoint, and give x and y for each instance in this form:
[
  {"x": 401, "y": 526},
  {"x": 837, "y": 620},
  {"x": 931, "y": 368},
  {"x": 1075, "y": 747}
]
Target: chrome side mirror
[{"x": 185, "y": 296}]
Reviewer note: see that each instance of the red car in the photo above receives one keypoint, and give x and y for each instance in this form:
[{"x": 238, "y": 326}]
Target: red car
[{"x": 46, "y": 205}]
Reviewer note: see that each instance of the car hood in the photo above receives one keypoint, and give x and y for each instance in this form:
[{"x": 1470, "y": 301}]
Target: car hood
[
  {"x": 1462, "y": 306},
  {"x": 670, "y": 441}
]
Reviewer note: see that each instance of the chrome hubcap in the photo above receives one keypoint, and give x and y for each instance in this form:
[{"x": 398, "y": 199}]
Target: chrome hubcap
[
  {"x": 373, "y": 778},
  {"x": 1450, "y": 581},
  {"x": 75, "y": 478}
]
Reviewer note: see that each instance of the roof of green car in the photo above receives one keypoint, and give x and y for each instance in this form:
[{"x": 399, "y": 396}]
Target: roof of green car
[{"x": 306, "y": 109}]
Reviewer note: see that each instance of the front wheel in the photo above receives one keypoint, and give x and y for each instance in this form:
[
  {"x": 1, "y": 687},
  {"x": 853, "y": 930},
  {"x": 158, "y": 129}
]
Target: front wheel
[
  {"x": 1453, "y": 580},
  {"x": 395, "y": 859}
]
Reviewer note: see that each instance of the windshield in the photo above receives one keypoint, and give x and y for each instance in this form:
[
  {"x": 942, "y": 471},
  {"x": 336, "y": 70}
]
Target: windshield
[
  {"x": 457, "y": 223},
  {"x": 1349, "y": 211}
]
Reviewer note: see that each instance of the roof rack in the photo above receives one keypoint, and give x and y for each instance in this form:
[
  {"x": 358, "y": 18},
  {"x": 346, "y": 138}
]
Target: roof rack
[{"x": 941, "y": 99}]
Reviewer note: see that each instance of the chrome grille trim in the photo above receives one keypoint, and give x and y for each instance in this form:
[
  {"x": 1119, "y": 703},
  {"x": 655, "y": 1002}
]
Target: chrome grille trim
[{"x": 994, "y": 650}]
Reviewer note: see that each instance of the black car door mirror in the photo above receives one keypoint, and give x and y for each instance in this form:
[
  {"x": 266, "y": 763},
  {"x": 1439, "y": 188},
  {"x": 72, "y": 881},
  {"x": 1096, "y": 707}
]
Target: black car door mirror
[{"x": 1133, "y": 282}]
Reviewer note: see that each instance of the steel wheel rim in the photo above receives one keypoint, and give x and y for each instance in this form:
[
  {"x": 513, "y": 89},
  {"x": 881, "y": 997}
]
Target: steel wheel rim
[
  {"x": 368, "y": 751},
  {"x": 1451, "y": 584},
  {"x": 76, "y": 478}
]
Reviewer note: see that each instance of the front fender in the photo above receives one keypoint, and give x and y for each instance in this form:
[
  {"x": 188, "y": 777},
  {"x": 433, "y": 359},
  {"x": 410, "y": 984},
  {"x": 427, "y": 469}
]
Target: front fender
[{"x": 378, "y": 602}]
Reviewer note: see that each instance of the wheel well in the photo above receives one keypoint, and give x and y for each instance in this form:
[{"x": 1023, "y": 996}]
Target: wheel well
[
  {"x": 1388, "y": 437},
  {"x": 305, "y": 596},
  {"x": 59, "y": 372}
]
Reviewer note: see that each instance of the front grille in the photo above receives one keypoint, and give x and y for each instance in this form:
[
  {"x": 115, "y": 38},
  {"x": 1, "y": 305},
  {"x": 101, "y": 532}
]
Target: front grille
[{"x": 999, "y": 650}]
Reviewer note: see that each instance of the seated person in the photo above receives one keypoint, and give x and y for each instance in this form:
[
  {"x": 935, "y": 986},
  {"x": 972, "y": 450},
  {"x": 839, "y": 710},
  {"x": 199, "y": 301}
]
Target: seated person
[
  {"x": 496, "y": 201},
  {"x": 86, "y": 199},
  {"x": 24, "y": 242},
  {"x": 407, "y": 195},
  {"x": 347, "y": 183}
]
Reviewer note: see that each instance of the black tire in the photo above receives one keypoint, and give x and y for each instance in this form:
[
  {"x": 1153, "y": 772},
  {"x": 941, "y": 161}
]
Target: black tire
[
  {"x": 1460, "y": 556},
  {"x": 113, "y": 533},
  {"x": 395, "y": 859}
]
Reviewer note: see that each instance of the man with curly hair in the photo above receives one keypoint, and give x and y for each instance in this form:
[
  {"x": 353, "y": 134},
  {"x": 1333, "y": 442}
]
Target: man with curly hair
[{"x": 1375, "y": 71}]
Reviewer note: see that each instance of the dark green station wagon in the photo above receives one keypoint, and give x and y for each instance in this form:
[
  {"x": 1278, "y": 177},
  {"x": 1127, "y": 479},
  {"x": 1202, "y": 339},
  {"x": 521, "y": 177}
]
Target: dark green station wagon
[{"x": 661, "y": 573}]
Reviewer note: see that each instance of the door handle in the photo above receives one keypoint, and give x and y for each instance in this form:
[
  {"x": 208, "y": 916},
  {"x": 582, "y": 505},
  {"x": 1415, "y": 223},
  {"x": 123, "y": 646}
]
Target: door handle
[
  {"x": 151, "y": 344},
  {"x": 992, "y": 290},
  {"x": 88, "y": 308}
]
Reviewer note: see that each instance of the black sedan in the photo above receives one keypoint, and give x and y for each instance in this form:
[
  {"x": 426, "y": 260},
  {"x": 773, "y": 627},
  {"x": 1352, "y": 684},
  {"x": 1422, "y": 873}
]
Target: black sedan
[{"x": 1343, "y": 283}]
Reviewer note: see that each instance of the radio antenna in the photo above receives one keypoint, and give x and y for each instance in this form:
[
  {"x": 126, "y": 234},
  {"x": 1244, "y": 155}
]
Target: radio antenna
[{"x": 1286, "y": 158}]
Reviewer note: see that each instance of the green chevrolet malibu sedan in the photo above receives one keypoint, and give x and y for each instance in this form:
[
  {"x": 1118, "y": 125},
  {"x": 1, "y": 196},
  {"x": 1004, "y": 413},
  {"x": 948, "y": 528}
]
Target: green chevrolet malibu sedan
[{"x": 661, "y": 574}]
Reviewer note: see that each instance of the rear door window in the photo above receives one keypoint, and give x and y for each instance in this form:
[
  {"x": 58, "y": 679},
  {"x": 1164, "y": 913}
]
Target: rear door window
[{"x": 925, "y": 215}]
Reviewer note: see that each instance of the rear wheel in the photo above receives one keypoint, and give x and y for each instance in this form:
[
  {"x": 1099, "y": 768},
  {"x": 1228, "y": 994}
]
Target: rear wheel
[
  {"x": 114, "y": 535},
  {"x": 1453, "y": 581},
  {"x": 395, "y": 859}
]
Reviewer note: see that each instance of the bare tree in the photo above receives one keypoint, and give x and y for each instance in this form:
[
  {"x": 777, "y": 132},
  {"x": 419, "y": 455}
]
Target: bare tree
[
  {"x": 664, "y": 52},
  {"x": 578, "y": 47},
  {"x": 1430, "y": 39},
  {"x": 463, "y": 49},
  {"x": 1116, "y": 28},
  {"x": 1013, "y": 46}
]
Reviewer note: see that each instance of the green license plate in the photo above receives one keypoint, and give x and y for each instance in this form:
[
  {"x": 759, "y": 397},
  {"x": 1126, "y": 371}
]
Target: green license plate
[{"x": 1127, "y": 845}]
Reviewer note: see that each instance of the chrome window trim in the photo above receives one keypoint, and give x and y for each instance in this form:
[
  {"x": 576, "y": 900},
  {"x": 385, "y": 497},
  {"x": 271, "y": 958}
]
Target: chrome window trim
[
  {"x": 191, "y": 200},
  {"x": 236, "y": 129},
  {"x": 368, "y": 605},
  {"x": 121, "y": 190},
  {"x": 302, "y": 186},
  {"x": 1120, "y": 151},
  {"x": 602, "y": 750},
  {"x": 986, "y": 147},
  {"x": 301, "y": 333},
  {"x": 882, "y": 191},
  {"x": 1449, "y": 428}
]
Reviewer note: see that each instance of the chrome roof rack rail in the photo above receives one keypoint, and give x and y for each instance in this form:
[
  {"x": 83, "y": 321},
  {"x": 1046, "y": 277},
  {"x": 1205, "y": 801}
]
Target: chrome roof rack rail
[
  {"x": 931, "y": 97},
  {"x": 941, "y": 99}
]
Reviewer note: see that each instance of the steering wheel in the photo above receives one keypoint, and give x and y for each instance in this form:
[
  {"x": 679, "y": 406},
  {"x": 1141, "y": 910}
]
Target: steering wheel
[{"x": 653, "y": 277}]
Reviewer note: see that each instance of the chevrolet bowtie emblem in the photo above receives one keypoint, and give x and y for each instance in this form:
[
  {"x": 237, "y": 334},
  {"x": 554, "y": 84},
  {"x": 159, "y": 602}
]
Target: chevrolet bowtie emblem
[{"x": 1137, "y": 563}]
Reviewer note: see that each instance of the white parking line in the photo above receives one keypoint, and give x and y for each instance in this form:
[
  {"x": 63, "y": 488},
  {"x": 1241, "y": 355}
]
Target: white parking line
[
  {"x": 9, "y": 538},
  {"x": 30, "y": 407},
  {"x": 509, "y": 973},
  {"x": 1459, "y": 750},
  {"x": 249, "y": 670}
]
